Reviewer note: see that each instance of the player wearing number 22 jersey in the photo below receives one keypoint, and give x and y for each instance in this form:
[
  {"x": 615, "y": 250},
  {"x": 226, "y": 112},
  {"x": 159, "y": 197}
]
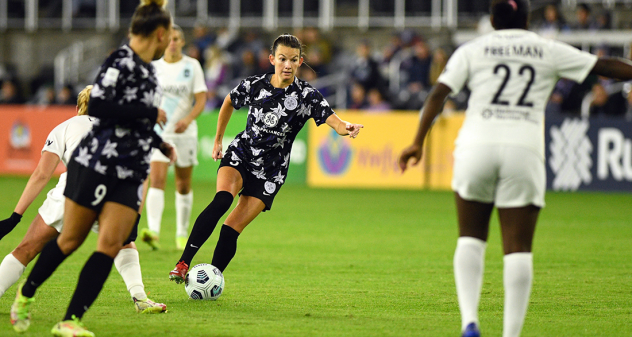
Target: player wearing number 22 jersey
[
  {"x": 499, "y": 152},
  {"x": 511, "y": 73}
]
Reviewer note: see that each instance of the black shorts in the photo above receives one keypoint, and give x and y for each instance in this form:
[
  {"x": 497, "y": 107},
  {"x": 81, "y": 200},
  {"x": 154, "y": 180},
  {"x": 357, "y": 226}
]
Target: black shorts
[
  {"x": 92, "y": 190},
  {"x": 254, "y": 187}
]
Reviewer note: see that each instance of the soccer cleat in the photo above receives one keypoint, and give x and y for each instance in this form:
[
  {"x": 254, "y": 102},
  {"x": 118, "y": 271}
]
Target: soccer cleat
[
  {"x": 471, "y": 330},
  {"x": 179, "y": 273},
  {"x": 150, "y": 237},
  {"x": 71, "y": 328},
  {"x": 181, "y": 242},
  {"x": 148, "y": 306},
  {"x": 20, "y": 315}
]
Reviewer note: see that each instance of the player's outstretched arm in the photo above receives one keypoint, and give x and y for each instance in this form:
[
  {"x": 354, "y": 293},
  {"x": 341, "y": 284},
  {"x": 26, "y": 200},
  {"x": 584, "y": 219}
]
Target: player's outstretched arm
[
  {"x": 38, "y": 180},
  {"x": 613, "y": 67},
  {"x": 431, "y": 109},
  {"x": 222, "y": 120},
  {"x": 343, "y": 128}
]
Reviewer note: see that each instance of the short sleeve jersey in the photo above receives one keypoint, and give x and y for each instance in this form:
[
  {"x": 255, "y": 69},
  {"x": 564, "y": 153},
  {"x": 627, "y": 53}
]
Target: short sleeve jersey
[
  {"x": 115, "y": 147},
  {"x": 275, "y": 116},
  {"x": 180, "y": 81},
  {"x": 65, "y": 137},
  {"x": 511, "y": 74}
]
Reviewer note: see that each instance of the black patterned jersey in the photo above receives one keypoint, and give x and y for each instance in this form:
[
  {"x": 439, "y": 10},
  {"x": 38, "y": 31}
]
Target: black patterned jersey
[
  {"x": 126, "y": 93},
  {"x": 275, "y": 117}
]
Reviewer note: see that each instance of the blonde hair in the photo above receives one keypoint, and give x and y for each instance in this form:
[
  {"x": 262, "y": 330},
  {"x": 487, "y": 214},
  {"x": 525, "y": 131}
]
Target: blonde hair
[
  {"x": 82, "y": 101},
  {"x": 159, "y": 3}
]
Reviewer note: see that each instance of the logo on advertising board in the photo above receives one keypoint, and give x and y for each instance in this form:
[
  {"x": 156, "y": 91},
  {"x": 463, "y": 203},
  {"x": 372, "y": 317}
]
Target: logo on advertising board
[
  {"x": 334, "y": 154},
  {"x": 20, "y": 136},
  {"x": 570, "y": 158}
]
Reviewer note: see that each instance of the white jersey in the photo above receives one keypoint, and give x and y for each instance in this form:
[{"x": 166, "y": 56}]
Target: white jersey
[
  {"x": 64, "y": 138},
  {"x": 180, "y": 81},
  {"x": 511, "y": 73}
]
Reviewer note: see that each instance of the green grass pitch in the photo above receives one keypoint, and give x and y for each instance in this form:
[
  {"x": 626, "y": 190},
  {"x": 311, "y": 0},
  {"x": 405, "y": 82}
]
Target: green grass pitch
[{"x": 358, "y": 263}]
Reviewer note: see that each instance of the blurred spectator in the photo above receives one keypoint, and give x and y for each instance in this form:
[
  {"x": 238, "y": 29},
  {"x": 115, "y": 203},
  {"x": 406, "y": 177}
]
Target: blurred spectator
[
  {"x": 603, "y": 21},
  {"x": 263, "y": 59},
  {"x": 583, "y": 18},
  {"x": 248, "y": 65},
  {"x": 553, "y": 22},
  {"x": 394, "y": 46},
  {"x": 439, "y": 60},
  {"x": 365, "y": 69},
  {"x": 377, "y": 102},
  {"x": 358, "y": 97},
  {"x": 316, "y": 44},
  {"x": 193, "y": 51},
  {"x": 202, "y": 39},
  {"x": 66, "y": 96},
  {"x": 217, "y": 72},
  {"x": 9, "y": 93},
  {"x": 416, "y": 69},
  {"x": 606, "y": 105}
]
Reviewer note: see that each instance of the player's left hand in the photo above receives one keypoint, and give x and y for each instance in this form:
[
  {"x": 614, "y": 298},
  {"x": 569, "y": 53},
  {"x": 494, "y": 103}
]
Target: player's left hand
[
  {"x": 354, "y": 129},
  {"x": 182, "y": 125},
  {"x": 169, "y": 151},
  {"x": 414, "y": 151}
]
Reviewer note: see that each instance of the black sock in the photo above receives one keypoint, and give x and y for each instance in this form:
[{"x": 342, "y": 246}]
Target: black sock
[
  {"x": 93, "y": 275},
  {"x": 205, "y": 224},
  {"x": 226, "y": 247},
  {"x": 50, "y": 258}
]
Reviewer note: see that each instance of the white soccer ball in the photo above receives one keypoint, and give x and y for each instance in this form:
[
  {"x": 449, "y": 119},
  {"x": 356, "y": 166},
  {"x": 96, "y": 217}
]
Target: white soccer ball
[{"x": 204, "y": 282}]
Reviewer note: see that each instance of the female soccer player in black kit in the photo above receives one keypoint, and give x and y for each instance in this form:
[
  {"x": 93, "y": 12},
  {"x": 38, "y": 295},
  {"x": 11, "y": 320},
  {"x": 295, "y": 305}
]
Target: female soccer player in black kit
[
  {"x": 108, "y": 167},
  {"x": 256, "y": 162}
]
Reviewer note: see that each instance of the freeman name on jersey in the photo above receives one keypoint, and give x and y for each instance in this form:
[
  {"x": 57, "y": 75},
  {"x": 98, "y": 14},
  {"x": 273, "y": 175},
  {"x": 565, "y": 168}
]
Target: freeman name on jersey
[{"x": 517, "y": 50}]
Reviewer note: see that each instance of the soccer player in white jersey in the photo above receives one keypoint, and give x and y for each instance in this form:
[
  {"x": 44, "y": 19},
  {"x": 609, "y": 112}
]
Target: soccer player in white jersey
[
  {"x": 499, "y": 153},
  {"x": 48, "y": 223},
  {"x": 184, "y": 96}
]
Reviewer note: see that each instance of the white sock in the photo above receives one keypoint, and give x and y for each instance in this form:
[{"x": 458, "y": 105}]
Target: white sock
[
  {"x": 128, "y": 265},
  {"x": 469, "y": 263},
  {"x": 517, "y": 278},
  {"x": 184, "y": 202},
  {"x": 155, "y": 208},
  {"x": 10, "y": 271}
]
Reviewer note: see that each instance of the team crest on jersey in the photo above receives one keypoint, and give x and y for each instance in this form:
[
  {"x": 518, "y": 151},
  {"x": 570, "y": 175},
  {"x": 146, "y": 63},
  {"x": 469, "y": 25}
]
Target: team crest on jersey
[
  {"x": 187, "y": 72},
  {"x": 290, "y": 103},
  {"x": 270, "y": 119},
  {"x": 270, "y": 187}
]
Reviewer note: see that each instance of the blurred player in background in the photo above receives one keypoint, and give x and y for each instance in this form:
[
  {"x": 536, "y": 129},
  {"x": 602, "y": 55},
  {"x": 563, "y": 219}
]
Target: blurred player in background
[
  {"x": 256, "y": 162},
  {"x": 499, "y": 153},
  {"x": 107, "y": 169},
  {"x": 48, "y": 223},
  {"x": 182, "y": 81}
]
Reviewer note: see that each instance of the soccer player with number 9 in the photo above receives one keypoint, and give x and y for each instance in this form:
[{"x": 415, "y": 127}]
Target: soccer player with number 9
[
  {"x": 108, "y": 167},
  {"x": 499, "y": 153}
]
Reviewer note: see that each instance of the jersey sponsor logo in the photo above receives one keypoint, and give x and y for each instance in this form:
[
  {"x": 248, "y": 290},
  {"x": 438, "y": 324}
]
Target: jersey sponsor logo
[
  {"x": 270, "y": 119},
  {"x": 570, "y": 158},
  {"x": 270, "y": 187},
  {"x": 174, "y": 89},
  {"x": 290, "y": 103},
  {"x": 499, "y": 113}
]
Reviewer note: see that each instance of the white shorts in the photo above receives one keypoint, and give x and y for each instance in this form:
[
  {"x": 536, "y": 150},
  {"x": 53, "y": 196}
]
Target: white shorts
[
  {"x": 52, "y": 210},
  {"x": 186, "y": 149},
  {"x": 508, "y": 176}
]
